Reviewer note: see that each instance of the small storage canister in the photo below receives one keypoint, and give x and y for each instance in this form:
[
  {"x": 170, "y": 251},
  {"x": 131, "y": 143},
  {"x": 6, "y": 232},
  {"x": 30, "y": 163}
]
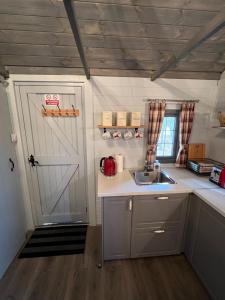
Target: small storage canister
[
  {"x": 121, "y": 118},
  {"x": 107, "y": 118},
  {"x": 135, "y": 119}
]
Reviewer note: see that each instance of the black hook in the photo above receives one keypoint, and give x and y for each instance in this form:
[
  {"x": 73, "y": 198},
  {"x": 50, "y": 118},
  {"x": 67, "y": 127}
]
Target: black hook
[
  {"x": 44, "y": 107},
  {"x": 13, "y": 165}
]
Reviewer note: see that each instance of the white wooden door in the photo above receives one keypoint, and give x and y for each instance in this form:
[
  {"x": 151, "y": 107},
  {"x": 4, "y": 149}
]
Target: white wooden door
[
  {"x": 58, "y": 181},
  {"x": 12, "y": 215}
]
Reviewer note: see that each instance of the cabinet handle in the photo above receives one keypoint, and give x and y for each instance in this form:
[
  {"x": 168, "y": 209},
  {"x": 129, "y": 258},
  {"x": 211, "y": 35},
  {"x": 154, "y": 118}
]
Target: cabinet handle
[
  {"x": 158, "y": 231},
  {"x": 130, "y": 205},
  {"x": 162, "y": 198}
]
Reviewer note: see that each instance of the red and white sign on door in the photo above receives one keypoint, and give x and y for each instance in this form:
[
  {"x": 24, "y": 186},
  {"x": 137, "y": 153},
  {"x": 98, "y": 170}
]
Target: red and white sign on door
[{"x": 51, "y": 99}]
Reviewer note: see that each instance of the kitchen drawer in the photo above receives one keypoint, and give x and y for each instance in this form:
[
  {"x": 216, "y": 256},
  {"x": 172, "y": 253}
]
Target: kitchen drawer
[
  {"x": 158, "y": 208},
  {"x": 156, "y": 239}
]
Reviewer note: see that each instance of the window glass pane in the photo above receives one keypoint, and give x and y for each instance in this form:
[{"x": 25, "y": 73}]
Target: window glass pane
[
  {"x": 164, "y": 123},
  {"x": 160, "y": 149},
  {"x": 161, "y": 137},
  {"x": 167, "y": 137},
  {"x": 168, "y": 150},
  {"x": 171, "y": 123}
]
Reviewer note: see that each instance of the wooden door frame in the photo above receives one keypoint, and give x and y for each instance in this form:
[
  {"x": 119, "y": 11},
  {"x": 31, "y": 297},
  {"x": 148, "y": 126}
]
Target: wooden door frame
[{"x": 78, "y": 81}]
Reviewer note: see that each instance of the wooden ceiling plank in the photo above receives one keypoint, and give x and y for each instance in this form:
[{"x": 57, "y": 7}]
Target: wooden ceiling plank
[
  {"x": 45, "y": 70},
  {"x": 129, "y": 64},
  {"x": 207, "y": 5},
  {"x": 108, "y": 41},
  {"x": 140, "y": 43},
  {"x": 111, "y": 72},
  {"x": 41, "y": 61},
  {"x": 34, "y": 23},
  {"x": 37, "y": 50},
  {"x": 207, "y": 31},
  {"x": 139, "y": 14},
  {"x": 105, "y": 53},
  {"x": 122, "y": 29},
  {"x": 108, "y": 11},
  {"x": 33, "y": 8},
  {"x": 192, "y": 75},
  {"x": 76, "y": 33},
  {"x": 55, "y": 8},
  {"x": 94, "y": 12}
]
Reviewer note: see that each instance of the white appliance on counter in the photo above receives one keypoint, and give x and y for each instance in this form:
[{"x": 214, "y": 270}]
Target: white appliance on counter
[
  {"x": 215, "y": 174},
  {"x": 119, "y": 162}
]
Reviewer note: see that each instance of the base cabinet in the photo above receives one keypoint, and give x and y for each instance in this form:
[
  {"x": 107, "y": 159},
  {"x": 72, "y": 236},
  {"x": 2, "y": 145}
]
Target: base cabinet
[
  {"x": 143, "y": 226},
  {"x": 116, "y": 227},
  {"x": 158, "y": 225},
  {"x": 206, "y": 252}
]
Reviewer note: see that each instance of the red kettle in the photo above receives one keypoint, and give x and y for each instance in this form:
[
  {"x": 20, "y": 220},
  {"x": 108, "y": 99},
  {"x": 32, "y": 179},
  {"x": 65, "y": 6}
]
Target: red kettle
[
  {"x": 222, "y": 178},
  {"x": 108, "y": 166}
]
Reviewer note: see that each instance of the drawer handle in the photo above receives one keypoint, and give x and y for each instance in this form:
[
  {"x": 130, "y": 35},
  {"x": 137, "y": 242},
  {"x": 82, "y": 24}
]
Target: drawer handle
[
  {"x": 158, "y": 231},
  {"x": 162, "y": 198},
  {"x": 130, "y": 205}
]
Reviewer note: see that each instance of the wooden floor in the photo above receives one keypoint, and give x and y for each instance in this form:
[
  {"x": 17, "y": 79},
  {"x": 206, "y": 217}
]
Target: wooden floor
[{"x": 76, "y": 277}]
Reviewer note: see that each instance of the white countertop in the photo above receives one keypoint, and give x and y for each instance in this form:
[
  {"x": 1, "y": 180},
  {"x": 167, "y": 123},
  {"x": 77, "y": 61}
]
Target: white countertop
[{"x": 186, "y": 182}]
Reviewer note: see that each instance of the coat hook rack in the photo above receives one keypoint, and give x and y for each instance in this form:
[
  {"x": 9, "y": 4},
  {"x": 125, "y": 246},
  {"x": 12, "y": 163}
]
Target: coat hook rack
[{"x": 59, "y": 112}]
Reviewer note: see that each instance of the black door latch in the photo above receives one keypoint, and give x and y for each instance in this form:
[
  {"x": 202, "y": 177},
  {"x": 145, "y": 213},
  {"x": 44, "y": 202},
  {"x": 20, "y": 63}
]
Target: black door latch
[{"x": 32, "y": 161}]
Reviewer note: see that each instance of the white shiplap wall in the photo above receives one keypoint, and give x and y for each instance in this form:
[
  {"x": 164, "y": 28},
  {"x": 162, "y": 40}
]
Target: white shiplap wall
[
  {"x": 127, "y": 94},
  {"x": 217, "y": 138}
]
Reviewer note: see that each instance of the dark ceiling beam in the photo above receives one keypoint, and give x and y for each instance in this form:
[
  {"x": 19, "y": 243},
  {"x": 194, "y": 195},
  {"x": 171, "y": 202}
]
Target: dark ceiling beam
[
  {"x": 205, "y": 33},
  {"x": 75, "y": 29}
]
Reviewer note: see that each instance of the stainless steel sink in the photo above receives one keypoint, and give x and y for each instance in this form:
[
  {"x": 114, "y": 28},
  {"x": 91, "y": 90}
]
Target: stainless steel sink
[{"x": 153, "y": 177}]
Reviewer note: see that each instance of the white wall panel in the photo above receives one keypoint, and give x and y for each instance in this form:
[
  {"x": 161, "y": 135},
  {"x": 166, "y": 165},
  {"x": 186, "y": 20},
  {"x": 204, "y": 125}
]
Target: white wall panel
[{"x": 217, "y": 137}]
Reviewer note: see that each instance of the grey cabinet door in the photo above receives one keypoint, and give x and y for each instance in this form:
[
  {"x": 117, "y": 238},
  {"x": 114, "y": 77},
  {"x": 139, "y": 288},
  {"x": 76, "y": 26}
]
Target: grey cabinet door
[
  {"x": 116, "y": 227},
  {"x": 192, "y": 220},
  {"x": 209, "y": 251},
  {"x": 158, "y": 224}
]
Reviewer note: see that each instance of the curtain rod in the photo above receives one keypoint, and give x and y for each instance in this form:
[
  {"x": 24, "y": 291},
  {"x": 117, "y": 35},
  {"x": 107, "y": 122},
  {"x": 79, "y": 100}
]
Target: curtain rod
[{"x": 172, "y": 100}]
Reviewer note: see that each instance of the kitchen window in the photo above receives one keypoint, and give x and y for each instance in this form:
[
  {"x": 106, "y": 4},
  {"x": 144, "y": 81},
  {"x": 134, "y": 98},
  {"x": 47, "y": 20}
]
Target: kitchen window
[{"x": 167, "y": 147}]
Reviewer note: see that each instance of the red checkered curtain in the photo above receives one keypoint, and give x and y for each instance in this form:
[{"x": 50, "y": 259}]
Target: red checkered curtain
[
  {"x": 156, "y": 116},
  {"x": 186, "y": 122}
]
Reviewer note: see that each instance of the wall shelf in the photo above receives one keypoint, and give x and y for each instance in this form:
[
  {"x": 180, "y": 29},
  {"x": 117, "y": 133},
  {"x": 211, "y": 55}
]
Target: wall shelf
[{"x": 120, "y": 127}]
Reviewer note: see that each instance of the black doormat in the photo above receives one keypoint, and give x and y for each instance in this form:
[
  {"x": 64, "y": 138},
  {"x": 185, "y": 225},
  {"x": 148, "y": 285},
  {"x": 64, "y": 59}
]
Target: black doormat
[{"x": 57, "y": 240}]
